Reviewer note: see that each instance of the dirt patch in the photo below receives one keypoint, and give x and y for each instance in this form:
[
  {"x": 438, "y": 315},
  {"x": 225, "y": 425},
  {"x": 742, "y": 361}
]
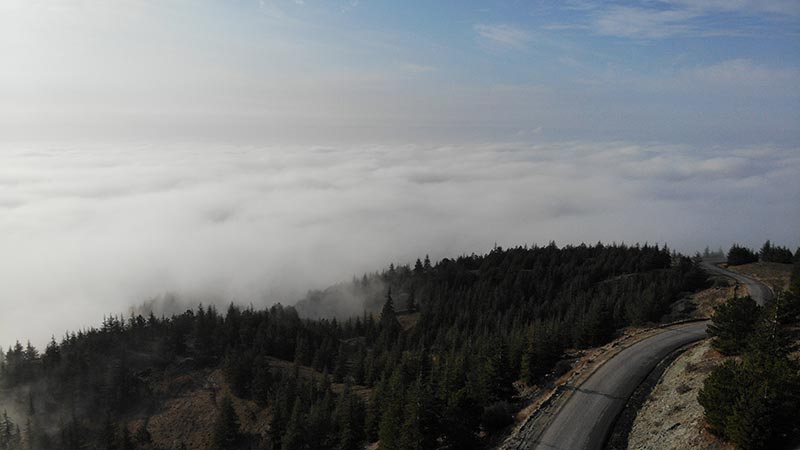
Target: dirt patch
[
  {"x": 701, "y": 304},
  {"x": 191, "y": 401},
  {"x": 408, "y": 320},
  {"x": 671, "y": 418}
]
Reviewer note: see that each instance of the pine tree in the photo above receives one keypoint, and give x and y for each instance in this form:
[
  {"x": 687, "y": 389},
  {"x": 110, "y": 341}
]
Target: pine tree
[
  {"x": 262, "y": 380},
  {"x": 29, "y": 439},
  {"x": 718, "y": 395},
  {"x": 739, "y": 255},
  {"x": 732, "y": 324},
  {"x": 227, "y": 433},
  {"x": 390, "y": 327},
  {"x": 418, "y": 270},
  {"x": 238, "y": 369},
  {"x": 6, "y": 431},
  {"x": 388, "y": 315},
  {"x": 411, "y": 303},
  {"x": 108, "y": 436},
  {"x": 766, "y": 251},
  {"x": 749, "y": 424},
  {"x": 349, "y": 416},
  {"x": 501, "y": 379},
  {"x": 293, "y": 439},
  {"x": 340, "y": 369},
  {"x": 142, "y": 435},
  {"x": 125, "y": 441},
  {"x": 72, "y": 436},
  {"x": 392, "y": 418},
  {"x": 748, "y": 401},
  {"x": 412, "y": 437},
  {"x": 374, "y": 412}
]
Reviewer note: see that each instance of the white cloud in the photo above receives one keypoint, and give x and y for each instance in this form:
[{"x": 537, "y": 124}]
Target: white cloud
[
  {"x": 504, "y": 35},
  {"x": 722, "y": 81},
  {"x": 416, "y": 68},
  {"x": 634, "y": 22},
  {"x": 743, "y": 72},
  {"x": 743, "y": 7},
  {"x": 86, "y": 232},
  {"x": 674, "y": 18}
]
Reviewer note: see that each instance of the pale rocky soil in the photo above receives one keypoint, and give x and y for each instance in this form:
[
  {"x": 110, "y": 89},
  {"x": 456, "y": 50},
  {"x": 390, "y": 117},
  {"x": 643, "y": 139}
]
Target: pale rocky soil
[
  {"x": 671, "y": 418},
  {"x": 584, "y": 363},
  {"x": 697, "y": 306}
]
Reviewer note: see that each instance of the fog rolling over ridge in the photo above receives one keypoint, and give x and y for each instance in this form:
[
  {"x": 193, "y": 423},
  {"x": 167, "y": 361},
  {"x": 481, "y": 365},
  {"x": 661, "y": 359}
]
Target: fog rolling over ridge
[
  {"x": 90, "y": 231},
  {"x": 289, "y": 145}
]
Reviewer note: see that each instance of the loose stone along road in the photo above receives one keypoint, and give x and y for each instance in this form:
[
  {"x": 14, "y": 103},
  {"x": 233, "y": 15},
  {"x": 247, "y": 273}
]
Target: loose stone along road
[{"x": 584, "y": 420}]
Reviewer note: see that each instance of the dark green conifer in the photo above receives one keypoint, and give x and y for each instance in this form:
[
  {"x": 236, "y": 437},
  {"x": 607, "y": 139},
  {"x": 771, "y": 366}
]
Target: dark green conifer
[
  {"x": 732, "y": 324},
  {"x": 227, "y": 433}
]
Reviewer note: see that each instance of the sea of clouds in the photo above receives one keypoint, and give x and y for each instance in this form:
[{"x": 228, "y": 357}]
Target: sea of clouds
[{"x": 94, "y": 230}]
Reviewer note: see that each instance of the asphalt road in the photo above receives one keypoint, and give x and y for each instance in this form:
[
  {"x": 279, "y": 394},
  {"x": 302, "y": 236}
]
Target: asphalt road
[
  {"x": 757, "y": 290},
  {"x": 587, "y": 416}
]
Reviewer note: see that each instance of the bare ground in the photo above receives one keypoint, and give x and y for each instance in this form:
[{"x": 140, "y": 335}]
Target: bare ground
[
  {"x": 191, "y": 401},
  {"x": 699, "y": 305},
  {"x": 671, "y": 418},
  {"x": 584, "y": 364}
]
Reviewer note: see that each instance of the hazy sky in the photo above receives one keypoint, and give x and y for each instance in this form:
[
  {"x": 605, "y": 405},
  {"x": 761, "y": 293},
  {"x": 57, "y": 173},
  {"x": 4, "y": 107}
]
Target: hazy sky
[
  {"x": 248, "y": 150},
  {"x": 685, "y": 71}
]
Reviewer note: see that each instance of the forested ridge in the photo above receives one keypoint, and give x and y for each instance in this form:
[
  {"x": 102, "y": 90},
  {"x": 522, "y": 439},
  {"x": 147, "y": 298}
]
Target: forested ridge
[{"x": 435, "y": 367}]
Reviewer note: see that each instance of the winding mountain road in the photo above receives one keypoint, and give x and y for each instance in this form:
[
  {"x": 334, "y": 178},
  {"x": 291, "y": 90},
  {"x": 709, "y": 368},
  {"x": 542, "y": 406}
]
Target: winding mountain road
[
  {"x": 759, "y": 291},
  {"x": 586, "y": 417}
]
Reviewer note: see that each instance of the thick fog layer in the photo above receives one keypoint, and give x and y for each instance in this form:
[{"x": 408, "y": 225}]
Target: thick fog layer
[{"x": 90, "y": 231}]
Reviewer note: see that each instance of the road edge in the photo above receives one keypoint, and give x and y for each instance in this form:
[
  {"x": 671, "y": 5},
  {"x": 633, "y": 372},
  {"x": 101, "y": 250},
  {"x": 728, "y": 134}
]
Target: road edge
[
  {"x": 617, "y": 438},
  {"x": 550, "y": 405}
]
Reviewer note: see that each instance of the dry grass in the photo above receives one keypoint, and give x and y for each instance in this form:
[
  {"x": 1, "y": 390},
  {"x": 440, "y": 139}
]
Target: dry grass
[
  {"x": 408, "y": 321},
  {"x": 701, "y": 304},
  {"x": 774, "y": 275},
  {"x": 706, "y": 300},
  {"x": 191, "y": 400},
  {"x": 188, "y": 415}
]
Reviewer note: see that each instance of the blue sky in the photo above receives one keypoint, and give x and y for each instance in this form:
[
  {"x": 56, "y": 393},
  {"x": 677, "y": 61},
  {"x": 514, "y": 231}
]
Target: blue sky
[{"x": 697, "y": 72}]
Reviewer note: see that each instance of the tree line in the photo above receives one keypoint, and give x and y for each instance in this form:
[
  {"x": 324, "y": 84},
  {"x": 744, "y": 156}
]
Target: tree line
[
  {"x": 738, "y": 254},
  {"x": 445, "y": 376}
]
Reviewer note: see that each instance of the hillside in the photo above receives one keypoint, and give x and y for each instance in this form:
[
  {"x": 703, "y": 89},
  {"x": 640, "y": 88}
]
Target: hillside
[
  {"x": 443, "y": 374},
  {"x": 672, "y": 417}
]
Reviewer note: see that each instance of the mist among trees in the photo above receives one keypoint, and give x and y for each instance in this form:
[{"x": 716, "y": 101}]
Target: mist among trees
[{"x": 432, "y": 363}]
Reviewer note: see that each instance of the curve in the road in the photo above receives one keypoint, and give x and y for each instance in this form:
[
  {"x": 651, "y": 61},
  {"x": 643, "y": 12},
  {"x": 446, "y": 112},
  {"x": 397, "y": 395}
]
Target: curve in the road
[
  {"x": 586, "y": 417},
  {"x": 759, "y": 291}
]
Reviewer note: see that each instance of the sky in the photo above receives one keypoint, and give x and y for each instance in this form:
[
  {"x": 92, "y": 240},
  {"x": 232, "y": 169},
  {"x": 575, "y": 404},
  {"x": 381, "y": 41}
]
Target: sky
[{"x": 250, "y": 150}]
